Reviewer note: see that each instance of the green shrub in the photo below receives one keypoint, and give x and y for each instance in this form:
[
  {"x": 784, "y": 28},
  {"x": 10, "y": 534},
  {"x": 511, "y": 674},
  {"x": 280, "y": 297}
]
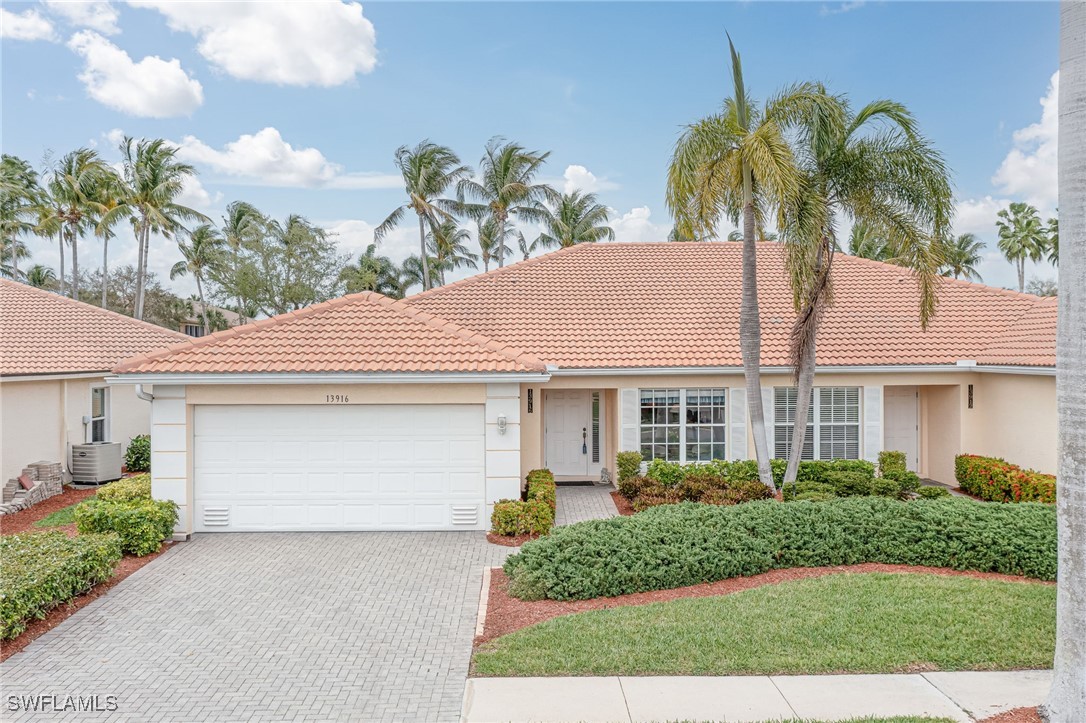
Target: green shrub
[
  {"x": 814, "y": 497},
  {"x": 631, "y": 487},
  {"x": 802, "y": 490},
  {"x": 541, "y": 487},
  {"x": 127, "y": 489},
  {"x": 882, "y": 487},
  {"x": 816, "y": 470},
  {"x": 848, "y": 484},
  {"x": 517, "y": 517},
  {"x": 141, "y": 524},
  {"x": 44, "y": 569},
  {"x": 997, "y": 480},
  {"x": 629, "y": 465},
  {"x": 891, "y": 461},
  {"x": 908, "y": 481},
  {"x": 668, "y": 474},
  {"x": 685, "y": 544},
  {"x": 137, "y": 458},
  {"x": 932, "y": 493}
]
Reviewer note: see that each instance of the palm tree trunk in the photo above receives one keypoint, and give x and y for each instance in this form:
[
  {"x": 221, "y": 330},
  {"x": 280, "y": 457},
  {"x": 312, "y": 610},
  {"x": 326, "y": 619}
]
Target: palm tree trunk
[
  {"x": 143, "y": 274},
  {"x": 237, "y": 288},
  {"x": 137, "y": 305},
  {"x": 500, "y": 223},
  {"x": 203, "y": 304},
  {"x": 60, "y": 246},
  {"x": 105, "y": 268},
  {"x": 1021, "y": 275},
  {"x": 1067, "y": 697},
  {"x": 422, "y": 251},
  {"x": 74, "y": 237},
  {"x": 15, "y": 258}
]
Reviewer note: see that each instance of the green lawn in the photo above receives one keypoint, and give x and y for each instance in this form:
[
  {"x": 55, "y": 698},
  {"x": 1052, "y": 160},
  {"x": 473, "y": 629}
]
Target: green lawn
[
  {"x": 63, "y": 516},
  {"x": 869, "y": 623}
]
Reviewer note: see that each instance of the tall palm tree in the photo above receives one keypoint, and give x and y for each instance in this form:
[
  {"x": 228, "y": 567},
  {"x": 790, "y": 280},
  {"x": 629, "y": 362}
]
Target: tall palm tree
[
  {"x": 74, "y": 188},
  {"x": 109, "y": 192},
  {"x": 449, "y": 245},
  {"x": 428, "y": 171},
  {"x": 20, "y": 197},
  {"x": 527, "y": 249},
  {"x": 1022, "y": 237},
  {"x": 487, "y": 234},
  {"x": 371, "y": 273},
  {"x": 961, "y": 256},
  {"x": 153, "y": 179},
  {"x": 11, "y": 250},
  {"x": 41, "y": 277},
  {"x": 575, "y": 218},
  {"x": 412, "y": 273},
  {"x": 738, "y": 162},
  {"x": 506, "y": 188},
  {"x": 242, "y": 226},
  {"x": 874, "y": 167},
  {"x": 866, "y": 243},
  {"x": 1054, "y": 241},
  {"x": 200, "y": 253}
]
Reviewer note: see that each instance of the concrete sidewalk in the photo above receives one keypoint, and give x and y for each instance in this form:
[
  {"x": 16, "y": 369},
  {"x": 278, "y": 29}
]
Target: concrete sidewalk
[{"x": 965, "y": 697}]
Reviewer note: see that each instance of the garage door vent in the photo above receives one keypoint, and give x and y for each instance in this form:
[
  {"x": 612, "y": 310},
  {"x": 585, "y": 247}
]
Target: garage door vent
[
  {"x": 465, "y": 515},
  {"x": 216, "y": 516}
]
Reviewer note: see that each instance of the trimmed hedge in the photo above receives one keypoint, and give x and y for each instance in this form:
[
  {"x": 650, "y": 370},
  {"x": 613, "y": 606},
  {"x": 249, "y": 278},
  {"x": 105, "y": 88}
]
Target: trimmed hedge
[
  {"x": 517, "y": 517},
  {"x": 671, "y": 473},
  {"x": 697, "y": 485},
  {"x": 141, "y": 524},
  {"x": 629, "y": 465},
  {"x": 541, "y": 487},
  {"x": 687, "y": 544},
  {"x": 127, "y": 489},
  {"x": 997, "y": 480},
  {"x": 44, "y": 569},
  {"x": 891, "y": 461},
  {"x": 137, "y": 457}
]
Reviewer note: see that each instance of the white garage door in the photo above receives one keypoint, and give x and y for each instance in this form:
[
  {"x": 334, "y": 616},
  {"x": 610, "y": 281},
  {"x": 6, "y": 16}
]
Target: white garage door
[{"x": 366, "y": 467}]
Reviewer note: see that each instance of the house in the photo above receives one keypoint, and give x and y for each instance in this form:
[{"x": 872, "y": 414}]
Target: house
[
  {"x": 369, "y": 413},
  {"x": 55, "y": 354},
  {"x": 193, "y": 323}
]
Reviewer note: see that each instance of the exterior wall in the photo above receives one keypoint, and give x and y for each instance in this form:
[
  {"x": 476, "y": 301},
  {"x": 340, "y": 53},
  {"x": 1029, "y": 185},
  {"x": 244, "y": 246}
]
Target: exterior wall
[
  {"x": 503, "y": 459},
  {"x": 940, "y": 431},
  {"x": 1016, "y": 419}
]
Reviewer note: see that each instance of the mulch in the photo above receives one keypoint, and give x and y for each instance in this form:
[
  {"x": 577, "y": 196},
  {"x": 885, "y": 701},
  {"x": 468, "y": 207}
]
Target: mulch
[
  {"x": 23, "y": 521},
  {"x": 509, "y": 540},
  {"x": 622, "y": 504},
  {"x": 1018, "y": 715},
  {"x": 506, "y": 614}
]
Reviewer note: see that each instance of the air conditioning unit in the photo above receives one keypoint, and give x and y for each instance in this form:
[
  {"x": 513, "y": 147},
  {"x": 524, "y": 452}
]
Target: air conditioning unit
[{"x": 96, "y": 462}]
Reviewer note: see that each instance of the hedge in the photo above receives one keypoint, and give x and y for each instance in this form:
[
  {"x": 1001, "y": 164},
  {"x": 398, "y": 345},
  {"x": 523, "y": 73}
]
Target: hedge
[
  {"x": 44, "y": 569},
  {"x": 671, "y": 473},
  {"x": 541, "y": 487},
  {"x": 628, "y": 465},
  {"x": 997, "y": 480},
  {"x": 686, "y": 544},
  {"x": 517, "y": 517},
  {"x": 137, "y": 457},
  {"x": 127, "y": 490},
  {"x": 141, "y": 524}
]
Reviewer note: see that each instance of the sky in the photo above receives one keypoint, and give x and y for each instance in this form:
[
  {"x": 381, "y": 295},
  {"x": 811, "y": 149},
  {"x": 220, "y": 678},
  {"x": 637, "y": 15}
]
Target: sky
[{"x": 299, "y": 107}]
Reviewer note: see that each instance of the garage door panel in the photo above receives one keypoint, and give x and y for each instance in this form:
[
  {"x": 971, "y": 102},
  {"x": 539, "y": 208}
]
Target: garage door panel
[
  {"x": 359, "y": 516},
  {"x": 430, "y": 515},
  {"x": 360, "y": 451},
  {"x": 359, "y": 483},
  {"x": 431, "y": 483},
  {"x": 466, "y": 450}
]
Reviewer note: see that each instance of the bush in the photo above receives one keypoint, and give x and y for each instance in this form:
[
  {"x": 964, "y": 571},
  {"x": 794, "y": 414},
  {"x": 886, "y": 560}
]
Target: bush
[
  {"x": 668, "y": 474},
  {"x": 908, "y": 481},
  {"x": 882, "y": 487},
  {"x": 127, "y": 489},
  {"x": 803, "y": 490},
  {"x": 632, "y": 487},
  {"x": 141, "y": 524},
  {"x": 686, "y": 544},
  {"x": 629, "y": 465},
  {"x": 997, "y": 480},
  {"x": 137, "y": 458},
  {"x": 45, "y": 569},
  {"x": 933, "y": 493},
  {"x": 848, "y": 484},
  {"x": 814, "y": 497},
  {"x": 517, "y": 517},
  {"x": 541, "y": 487},
  {"x": 891, "y": 461},
  {"x": 817, "y": 470}
]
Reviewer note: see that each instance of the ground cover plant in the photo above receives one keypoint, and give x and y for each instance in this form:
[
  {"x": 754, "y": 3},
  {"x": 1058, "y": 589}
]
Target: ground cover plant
[{"x": 63, "y": 516}]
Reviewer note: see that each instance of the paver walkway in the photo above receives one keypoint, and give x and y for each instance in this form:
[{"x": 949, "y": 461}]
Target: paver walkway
[
  {"x": 962, "y": 697},
  {"x": 576, "y": 504},
  {"x": 366, "y": 626}
]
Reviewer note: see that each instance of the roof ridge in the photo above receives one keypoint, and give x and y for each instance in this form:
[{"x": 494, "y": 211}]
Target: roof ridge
[{"x": 947, "y": 279}]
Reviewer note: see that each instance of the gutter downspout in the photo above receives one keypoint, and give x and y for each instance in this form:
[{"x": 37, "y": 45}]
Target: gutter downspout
[{"x": 145, "y": 396}]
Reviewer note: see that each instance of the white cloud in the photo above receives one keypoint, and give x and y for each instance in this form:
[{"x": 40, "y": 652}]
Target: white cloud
[
  {"x": 637, "y": 225},
  {"x": 311, "y": 43},
  {"x": 579, "y": 178},
  {"x": 27, "y": 25},
  {"x": 978, "y": 216},
  {"x": 93, "y": 14},
  {"x": 151, "y": 88},
  {"x": 264, "y": 158},
  {"x": 845, "y": 7},
  {"x": 353, "y": 236},
  {"x": 1029, "y": 170}
]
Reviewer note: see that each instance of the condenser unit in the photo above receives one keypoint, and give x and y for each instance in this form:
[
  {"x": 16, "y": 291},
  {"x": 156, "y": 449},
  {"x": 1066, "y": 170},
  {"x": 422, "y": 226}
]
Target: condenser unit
[{"x": 96, "y": 462}]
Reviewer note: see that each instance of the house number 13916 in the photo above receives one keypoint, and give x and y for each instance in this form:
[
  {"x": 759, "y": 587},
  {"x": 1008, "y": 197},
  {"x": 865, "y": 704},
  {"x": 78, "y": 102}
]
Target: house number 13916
[{"x": 336, "y": 399}]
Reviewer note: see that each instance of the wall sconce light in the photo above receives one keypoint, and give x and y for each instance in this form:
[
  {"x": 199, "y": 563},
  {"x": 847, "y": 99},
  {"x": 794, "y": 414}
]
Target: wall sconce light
[{"x": 502, "y": 423}]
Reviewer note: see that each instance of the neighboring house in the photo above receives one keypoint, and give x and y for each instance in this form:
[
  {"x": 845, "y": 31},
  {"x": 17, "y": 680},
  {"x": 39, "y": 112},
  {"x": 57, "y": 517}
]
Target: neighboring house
[
  {"x": 369, "y": 413},
  {"x": 193, "y": 324},
  {"x": 55, "y": 354}
]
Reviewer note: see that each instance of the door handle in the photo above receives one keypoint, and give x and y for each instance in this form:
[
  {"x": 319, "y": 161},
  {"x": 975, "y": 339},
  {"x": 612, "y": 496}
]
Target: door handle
[{"x": 584, "y": 440}]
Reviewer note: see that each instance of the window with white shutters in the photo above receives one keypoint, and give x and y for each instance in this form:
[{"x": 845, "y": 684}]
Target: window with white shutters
[
  {"x": 683, "y": 425},
  {"x": 836, "y": 435}
]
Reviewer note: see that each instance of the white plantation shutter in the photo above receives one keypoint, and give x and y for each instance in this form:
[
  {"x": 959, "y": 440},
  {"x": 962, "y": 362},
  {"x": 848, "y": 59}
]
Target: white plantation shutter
[
  {"x": 872, "y": 423},
  {"x": 737, "y": 423},
  {"x": 630, "y": 412}
]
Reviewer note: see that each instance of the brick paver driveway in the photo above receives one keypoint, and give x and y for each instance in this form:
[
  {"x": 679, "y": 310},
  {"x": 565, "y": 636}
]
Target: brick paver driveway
[{"x": 299, "y": 626}]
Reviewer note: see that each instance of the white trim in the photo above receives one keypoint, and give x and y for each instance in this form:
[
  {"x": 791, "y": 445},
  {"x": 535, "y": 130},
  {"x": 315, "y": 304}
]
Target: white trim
[
  {"x": 333, "y": 378},
  {"x": 107, "y": 414},
  {"x": 859, "y": 369},
  {"x": 53, "y": 377}
]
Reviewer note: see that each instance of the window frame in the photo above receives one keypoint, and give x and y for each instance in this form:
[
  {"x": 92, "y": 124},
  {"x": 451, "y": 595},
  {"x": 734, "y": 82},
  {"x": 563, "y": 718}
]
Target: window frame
[
  {"x": 683, "y": 425},
  {"x": 105, "y": 419},
  {"x": 817, "y": 424}
]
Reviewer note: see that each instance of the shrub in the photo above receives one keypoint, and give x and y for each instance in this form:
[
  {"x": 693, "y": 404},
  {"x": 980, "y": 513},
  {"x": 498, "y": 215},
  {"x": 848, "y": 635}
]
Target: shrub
[
  {"x": 668, "y": 474},
  {"x": 816, "y": 470},
  {"x": 997, "y": 480},
  {"x": 933, "y": 493},
  {"x": 137, "y": 458},
  {"x": 814, "y": 497},
  {"x": 802, "y": 490},
  {"x": 629, "y": 465},
  {"x": 686, "y": 544},
  {"x": 517, "y": 517},
  {"x": 631, "y": 487},
  {"x": 141, "y": 524},
  {"x": 882, "y": 487},
  {"x": 908, "y": 481},
  {"x": 541, "y": 487},
  {"x": 45, "y": 569},
  {"x": 848, "y": 484},
  {"x": 127, "y": 489},
  {"x": 891, "y": 461}
]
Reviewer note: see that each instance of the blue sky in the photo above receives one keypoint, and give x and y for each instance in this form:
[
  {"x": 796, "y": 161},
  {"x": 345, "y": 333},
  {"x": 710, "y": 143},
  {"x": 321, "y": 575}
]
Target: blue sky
[{"x": 298, "y": 108}]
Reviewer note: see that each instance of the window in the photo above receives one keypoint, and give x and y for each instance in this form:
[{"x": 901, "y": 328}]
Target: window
[
  {"x": 595, "y": 427},
  {"x": 99, "y": 425},
  {"x": 837, "y": 433},
  {"x": 683, "y": 425},
  {"x": 194, "y": 329}
]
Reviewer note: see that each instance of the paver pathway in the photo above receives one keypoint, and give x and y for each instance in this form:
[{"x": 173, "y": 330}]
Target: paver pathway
[{"x": 576, "y": 504}]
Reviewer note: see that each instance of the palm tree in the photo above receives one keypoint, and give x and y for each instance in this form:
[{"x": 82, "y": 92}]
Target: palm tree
[
  {"x": 506, "y": 188},
  {"x": 198, "y": 255},
  {"x": 865, "y": 243},
  {"x": 371, "y": 273},
  {"x": 11, "y": 250},
  {"x": 874, "y": 167},
  {"x": 74, "y": 188},
  {"x": 487, "y": 234},
  {"x": 961, "y": 256},
  {"x": 412, "y": 272},
  {"x": 153, "y": 179},
  {"x": 449, "y": 245},
  {"x": 1022, "y": 237},
  {"x": 527, "y": 249},
  {"x": 428, "y": 171},
  {"x": 242, "y": 226},
  {"x": 576, "y": 218},
  {"x": 1054, "y": 241},
  {"x": 736, "y": 235},
  {"x": 738, "y": 162},
  {"x": 20, "y": 197},
  {"x": 41, "y": 277},
  {"x": 109, "y": 192}
]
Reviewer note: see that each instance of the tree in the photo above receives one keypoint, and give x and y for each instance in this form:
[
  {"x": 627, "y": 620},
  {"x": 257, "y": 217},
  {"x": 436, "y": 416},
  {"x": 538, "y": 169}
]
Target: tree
[
  {"x": 20, "y": 197},
  {"x": 449, "y": 245},
  {"x": 412, "y": 273},
  {"x": 961, "y": 256},
  {"x": 865, "y": 243},
  {"x": 109, "y": 192},
  {"x": 1054, "y": 241},
  {"x": 242, "y": 227},
  {"x": 1022, "y": 237},
  {"x": 1042, "y": 287},
  {"x": 506, "y": 188},
  {"x": 738, "y": 162},
  {"x": 41, "y": 277},
  {"x": 575, "y": 218},
  {"x": 371, "y": 273},
  {"x": 487, "y": 234},
  {"x": 74, "y": 188},
  {"x": 201, "y": 253},
  {"x": 11, "y": 250},
  {"x": 527, "y": 249},
  {"x": 428, "y": 171}
]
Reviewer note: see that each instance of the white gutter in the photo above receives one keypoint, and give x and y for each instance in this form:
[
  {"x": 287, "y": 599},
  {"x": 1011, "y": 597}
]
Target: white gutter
[
  {"x": 145, "y": 396},
  {"x": 777, "y": 370},
  {"x": 52, "y": 377},
  {"x": 332, "y": 378}
]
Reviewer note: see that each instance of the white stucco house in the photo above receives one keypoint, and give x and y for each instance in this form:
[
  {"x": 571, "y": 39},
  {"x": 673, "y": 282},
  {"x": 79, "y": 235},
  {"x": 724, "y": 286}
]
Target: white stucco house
[{"x": 367, "y": 413}]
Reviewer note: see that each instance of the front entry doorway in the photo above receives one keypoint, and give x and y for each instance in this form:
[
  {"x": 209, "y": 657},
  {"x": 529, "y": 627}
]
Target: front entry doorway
[
  {"x": 901, "y": 431},
  {"x": 572, "y": 433}
]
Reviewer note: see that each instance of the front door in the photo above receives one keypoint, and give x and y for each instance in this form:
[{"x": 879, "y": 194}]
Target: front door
[
  {"x": 568, "y": 416},
  {"x": 901, "y": 423}
]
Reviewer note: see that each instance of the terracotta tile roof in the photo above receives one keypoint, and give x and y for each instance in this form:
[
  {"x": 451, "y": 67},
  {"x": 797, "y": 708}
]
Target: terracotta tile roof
[
  {"x": 364, "y": 332},
  {"x": 677, "y": 304},
  {"x": 45, "y": 333}
]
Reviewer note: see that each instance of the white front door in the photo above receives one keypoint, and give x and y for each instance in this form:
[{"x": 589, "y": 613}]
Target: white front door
[
  {"x": 900, "y": 432},
  {"x": 568, "y": 417}
]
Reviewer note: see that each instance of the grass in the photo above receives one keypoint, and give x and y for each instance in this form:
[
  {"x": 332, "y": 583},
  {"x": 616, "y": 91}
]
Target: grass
[
  {"x": 856, "y": 623},
  {"x": 63, "y": 516}
]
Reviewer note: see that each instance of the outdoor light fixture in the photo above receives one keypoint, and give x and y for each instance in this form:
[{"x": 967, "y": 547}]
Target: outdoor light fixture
[{"x": 502, "y": 424}]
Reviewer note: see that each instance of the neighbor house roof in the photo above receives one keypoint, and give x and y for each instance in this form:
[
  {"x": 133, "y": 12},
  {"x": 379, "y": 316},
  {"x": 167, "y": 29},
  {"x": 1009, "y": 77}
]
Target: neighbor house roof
[
  {"x": 45, "y": 333},
  {"x": 364, "y": 332},
  {"x": 623, "y": 305}
]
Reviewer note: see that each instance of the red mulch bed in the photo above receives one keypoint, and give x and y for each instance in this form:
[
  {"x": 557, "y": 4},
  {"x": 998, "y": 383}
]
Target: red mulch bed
[
  {"x": 509, "y": 541},
  {"x": 128, "y": 565},
  {"x": 1018, "y": 715},
  {"x": 505, "y": 613},
  {"x": 622, "y": 504},
  {"x": 23, "y": 521}
]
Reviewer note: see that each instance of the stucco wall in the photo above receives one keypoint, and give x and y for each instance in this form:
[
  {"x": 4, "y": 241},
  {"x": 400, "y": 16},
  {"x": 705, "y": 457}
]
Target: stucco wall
[
  {"x": 940, "y": 430},
  {"x": 1016, "y": 418}
]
